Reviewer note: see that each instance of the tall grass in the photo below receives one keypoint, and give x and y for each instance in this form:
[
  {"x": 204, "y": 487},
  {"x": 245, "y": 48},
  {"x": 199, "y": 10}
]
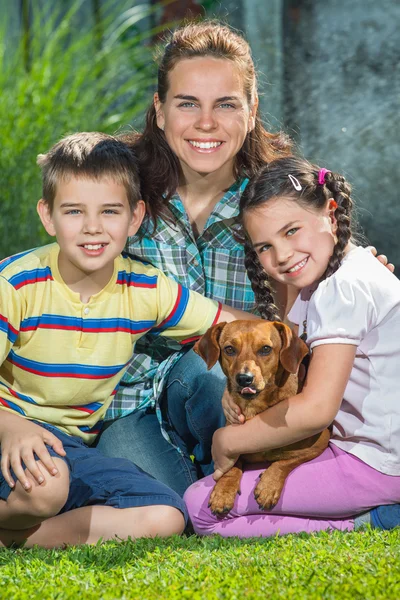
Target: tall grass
[{"x": 68, "y": 75}]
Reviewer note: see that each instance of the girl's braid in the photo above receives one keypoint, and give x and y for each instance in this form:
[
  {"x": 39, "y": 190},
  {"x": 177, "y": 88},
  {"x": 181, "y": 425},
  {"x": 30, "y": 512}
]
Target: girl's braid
[
  {"x": 260, "y": 284},
  {"x": 340, "y": 190}
]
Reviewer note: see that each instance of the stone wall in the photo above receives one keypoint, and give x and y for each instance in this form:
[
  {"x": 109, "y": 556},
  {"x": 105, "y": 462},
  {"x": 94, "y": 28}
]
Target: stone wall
[{"x": 331, "y": 77}]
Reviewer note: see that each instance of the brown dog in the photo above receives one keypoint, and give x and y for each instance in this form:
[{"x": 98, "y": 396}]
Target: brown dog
[{"x": 260, "y": 360}]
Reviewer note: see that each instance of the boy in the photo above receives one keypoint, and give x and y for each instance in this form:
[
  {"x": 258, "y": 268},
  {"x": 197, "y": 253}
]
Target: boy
[{"x": 70, "y": 315}]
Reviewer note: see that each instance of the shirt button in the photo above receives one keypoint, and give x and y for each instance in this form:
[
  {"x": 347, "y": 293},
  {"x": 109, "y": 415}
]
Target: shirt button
[
  {"x": 195, "y": 262},
  {"x": 86, "y": 310}
]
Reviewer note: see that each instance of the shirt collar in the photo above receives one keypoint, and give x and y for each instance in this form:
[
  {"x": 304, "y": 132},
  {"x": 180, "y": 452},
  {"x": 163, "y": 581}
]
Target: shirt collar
[{"x": 226, "y": 208}]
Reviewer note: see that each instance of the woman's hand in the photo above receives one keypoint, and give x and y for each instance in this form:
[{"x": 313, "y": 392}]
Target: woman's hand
[
  {"x": 231, "y": 410},
  {"x": 20, "y": 439},
  {"x": 382, "y": 258},
  {"x": 223, "y": 459}
]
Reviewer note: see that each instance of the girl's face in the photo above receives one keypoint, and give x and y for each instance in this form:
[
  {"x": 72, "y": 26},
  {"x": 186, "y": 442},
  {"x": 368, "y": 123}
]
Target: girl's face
[
  {"x": 205, "y": 116},
  {"x": 293, "y": 243}
]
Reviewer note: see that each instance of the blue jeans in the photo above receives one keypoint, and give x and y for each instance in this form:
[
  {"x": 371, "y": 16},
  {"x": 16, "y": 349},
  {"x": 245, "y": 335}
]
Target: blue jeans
[
  {"x": 191, "y": 405},
  {"x": 97, "y": 480}
]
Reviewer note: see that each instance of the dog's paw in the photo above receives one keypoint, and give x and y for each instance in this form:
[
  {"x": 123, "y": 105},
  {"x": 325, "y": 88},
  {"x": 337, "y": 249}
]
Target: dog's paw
[
  {"x": 221, "y": 502},
  {"x": 267, "y": 496}
]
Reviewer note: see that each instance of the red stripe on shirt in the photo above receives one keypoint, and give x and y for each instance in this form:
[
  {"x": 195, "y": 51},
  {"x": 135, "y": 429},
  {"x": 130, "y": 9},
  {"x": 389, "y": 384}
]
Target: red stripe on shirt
[
  {"x": 189, "y": 340},
  {"x": 31, "y": 281},
  {"x": 175, "y": 308},
  {"x": 10, "y": 327},
  {"x": 218, "y": 313}
]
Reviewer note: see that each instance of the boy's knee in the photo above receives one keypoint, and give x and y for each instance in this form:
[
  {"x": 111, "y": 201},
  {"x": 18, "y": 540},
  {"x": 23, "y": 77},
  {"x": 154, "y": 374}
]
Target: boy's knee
[
  {"x": 163, "y": 520},
  {"x": 44, "y": 500}
]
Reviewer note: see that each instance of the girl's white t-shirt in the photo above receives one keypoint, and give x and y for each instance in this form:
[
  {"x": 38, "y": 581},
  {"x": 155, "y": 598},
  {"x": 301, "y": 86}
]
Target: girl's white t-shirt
[{"x": 360, "y": 305}]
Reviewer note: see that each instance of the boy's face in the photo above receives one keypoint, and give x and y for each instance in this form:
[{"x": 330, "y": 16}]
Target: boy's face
[{"x": 91, "y": 221}]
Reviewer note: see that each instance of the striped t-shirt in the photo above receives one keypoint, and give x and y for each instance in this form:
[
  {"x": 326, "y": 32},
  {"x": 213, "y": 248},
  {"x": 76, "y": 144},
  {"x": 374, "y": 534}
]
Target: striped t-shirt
[{"x": 62, "y": 360}]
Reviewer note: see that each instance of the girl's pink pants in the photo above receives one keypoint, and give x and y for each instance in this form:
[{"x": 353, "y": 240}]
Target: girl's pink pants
[{"x": 325, "y": 493}]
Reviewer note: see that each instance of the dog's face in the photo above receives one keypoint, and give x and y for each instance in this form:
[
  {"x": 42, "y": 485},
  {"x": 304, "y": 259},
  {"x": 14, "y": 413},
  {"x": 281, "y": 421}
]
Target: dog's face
[{"x": 252, "y": 354}]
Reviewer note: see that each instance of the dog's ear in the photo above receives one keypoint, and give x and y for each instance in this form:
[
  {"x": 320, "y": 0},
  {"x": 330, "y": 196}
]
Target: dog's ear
[
  {"x": 208, "y": 345},
  {"x": 293, "y": 348}
]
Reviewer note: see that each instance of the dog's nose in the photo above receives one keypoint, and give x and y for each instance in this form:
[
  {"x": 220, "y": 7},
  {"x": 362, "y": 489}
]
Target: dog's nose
[{"x": 244, "y": 379}]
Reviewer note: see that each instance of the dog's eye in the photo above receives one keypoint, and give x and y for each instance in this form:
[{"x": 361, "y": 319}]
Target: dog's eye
[
  {"x": 230, "y": 350},
  {"x": 265, "y": 350}
]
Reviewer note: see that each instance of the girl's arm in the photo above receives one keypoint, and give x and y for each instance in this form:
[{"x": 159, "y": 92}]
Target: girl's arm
[{"x": 293, "y": 419}]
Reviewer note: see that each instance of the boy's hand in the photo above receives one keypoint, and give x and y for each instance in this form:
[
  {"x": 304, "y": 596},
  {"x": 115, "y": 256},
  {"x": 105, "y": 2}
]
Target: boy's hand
[
  {"x": 382, "y": 258},
  {"x": 231, "y": 410},
  {"x": 19, "y": 443}
]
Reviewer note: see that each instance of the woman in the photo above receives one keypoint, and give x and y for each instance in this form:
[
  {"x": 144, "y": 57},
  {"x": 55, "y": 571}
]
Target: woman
[{"x": 202, "y": 140}]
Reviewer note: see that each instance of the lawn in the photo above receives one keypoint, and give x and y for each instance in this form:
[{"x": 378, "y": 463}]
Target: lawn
[{"x": 358, "y": 565}]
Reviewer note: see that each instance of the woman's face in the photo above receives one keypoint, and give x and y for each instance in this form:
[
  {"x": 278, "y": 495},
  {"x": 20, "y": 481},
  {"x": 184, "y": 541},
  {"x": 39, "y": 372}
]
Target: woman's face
[{"x": 206, "y": 115}]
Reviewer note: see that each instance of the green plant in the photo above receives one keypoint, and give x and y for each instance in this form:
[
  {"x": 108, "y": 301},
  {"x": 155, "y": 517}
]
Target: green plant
[
  {"x": 61, "y": 75},
  {"x": 330, "y": 566}
]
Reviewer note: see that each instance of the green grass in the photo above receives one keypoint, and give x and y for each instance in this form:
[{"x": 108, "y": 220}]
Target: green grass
[{"x": 358, "y": 565}]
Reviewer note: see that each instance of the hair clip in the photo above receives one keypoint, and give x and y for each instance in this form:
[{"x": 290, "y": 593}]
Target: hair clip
[
  {"x": 321, "y": 176},
  {"x": 295, "y": 182},
  {"x": 333, "y": 205}
]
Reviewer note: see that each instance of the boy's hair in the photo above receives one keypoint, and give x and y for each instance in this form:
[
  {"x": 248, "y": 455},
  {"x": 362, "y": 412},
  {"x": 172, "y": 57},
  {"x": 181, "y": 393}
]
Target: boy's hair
[
  {"x": 159, "y": 166},
  {"x": 273, "y": 181},
  {"x": 90, "y": 155}
]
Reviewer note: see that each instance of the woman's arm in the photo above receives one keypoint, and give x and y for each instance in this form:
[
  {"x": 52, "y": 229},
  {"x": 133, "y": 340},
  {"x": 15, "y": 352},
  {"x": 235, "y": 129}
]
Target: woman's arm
[
  {"x": 382, "y": 258},
  {"x": 284, "y": 296},
  {"x": 293, "y": 419}
]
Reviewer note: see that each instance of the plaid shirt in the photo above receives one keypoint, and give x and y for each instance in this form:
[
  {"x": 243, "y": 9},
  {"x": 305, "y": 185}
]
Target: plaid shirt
[{"x": 211, "y": 264}]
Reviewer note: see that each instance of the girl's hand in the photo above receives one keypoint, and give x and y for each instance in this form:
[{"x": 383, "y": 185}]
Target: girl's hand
[
  {"x": 231, "y": 410},
  {"x": 223, "y": 460},
  {"x": 19, "y": 442},
  {"x": 382, "y": 258}
]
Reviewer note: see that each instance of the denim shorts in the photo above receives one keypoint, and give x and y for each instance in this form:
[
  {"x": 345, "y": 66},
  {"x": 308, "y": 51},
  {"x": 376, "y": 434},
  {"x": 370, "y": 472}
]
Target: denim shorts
[{"x": 96, "y": 479}]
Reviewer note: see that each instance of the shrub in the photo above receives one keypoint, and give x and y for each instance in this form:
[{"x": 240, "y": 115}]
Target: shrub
[{"x": 63, "y": 75}]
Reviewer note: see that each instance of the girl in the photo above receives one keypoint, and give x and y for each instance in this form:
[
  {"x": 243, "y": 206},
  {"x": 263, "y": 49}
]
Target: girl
[{"x": 298, "y": 222}]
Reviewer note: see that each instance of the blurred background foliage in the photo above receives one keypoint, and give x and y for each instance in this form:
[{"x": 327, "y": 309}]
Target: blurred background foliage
[
  {"x": 62, "y": 70},
  {"x": 88, "y": 64}
]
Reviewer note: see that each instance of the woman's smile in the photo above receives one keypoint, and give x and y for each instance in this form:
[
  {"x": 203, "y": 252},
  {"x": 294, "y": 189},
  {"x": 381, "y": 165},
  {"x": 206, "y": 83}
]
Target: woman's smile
[
  {"x": 206, "y": 115},
  {"x": 206, "y": 146}
]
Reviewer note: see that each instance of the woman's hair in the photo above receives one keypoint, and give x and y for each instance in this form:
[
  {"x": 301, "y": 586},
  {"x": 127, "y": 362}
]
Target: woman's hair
[
  {"x": 280, "y": 178},
  {"x": 159, "y": 166}
]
